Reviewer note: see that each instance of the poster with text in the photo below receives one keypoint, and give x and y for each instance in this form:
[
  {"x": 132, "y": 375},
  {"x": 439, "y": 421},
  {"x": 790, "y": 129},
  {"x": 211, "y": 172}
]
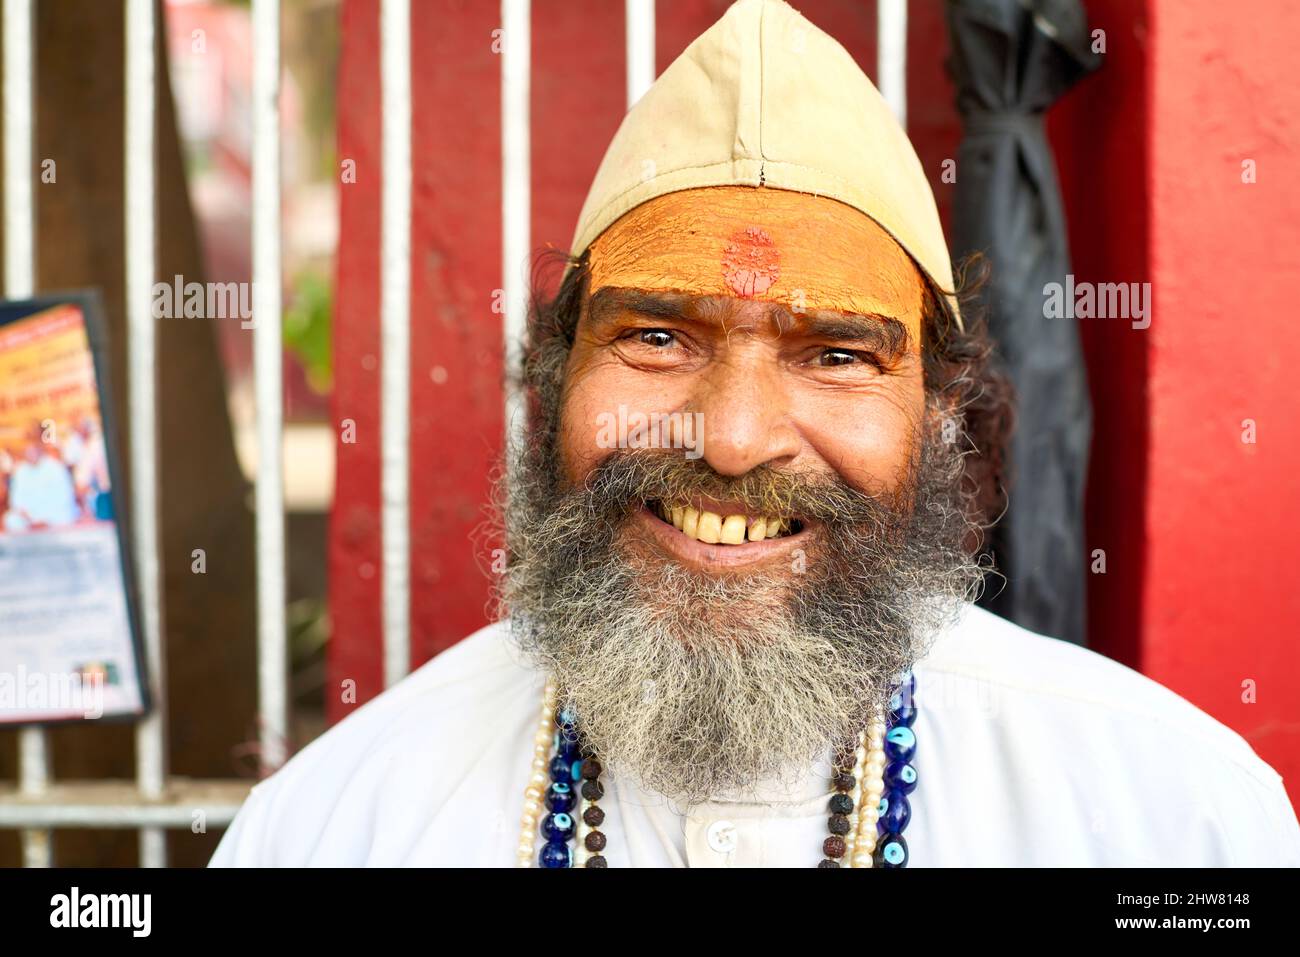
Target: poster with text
[{"x": 69, "y": 648}]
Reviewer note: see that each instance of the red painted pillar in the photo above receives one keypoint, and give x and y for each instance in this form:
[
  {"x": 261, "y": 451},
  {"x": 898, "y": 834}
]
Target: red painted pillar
[
  {"x": 1222, "y": 609},
  {"x": 354, "y": 652},
  {"x": 1198, "y": 524}
]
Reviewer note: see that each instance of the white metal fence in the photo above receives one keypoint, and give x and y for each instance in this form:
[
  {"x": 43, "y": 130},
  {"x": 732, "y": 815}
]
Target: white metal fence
[{"x": 156, "y": 801}]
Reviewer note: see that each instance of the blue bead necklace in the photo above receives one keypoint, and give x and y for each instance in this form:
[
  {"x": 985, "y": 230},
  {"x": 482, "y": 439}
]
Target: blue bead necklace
[
  {"x": 881, "y": 763},
  {"x": 899, "y": 777}
]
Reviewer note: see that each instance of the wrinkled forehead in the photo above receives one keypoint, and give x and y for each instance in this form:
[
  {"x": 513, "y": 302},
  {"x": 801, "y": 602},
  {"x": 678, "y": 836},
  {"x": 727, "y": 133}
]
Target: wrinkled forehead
[{"x": 809, "y": 253}]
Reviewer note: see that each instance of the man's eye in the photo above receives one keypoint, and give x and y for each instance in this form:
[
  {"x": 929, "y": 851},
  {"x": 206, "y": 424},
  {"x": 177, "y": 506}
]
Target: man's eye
[
  {"x": 837, "y": 357},
  {"x": 658, "y": 338}
]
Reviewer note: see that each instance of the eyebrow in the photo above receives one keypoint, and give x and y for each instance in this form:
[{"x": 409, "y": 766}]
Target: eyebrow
[
  {"x": 608, "y": 301},
  {"x": 884, "y": 335}
]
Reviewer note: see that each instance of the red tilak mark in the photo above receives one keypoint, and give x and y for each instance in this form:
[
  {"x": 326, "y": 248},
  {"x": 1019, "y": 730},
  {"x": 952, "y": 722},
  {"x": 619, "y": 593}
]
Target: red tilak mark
[{"x": 751, "y": 262}]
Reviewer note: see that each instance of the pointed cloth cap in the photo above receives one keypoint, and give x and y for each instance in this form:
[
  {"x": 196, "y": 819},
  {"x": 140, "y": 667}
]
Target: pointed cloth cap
[{"x": 764, "y": 98}]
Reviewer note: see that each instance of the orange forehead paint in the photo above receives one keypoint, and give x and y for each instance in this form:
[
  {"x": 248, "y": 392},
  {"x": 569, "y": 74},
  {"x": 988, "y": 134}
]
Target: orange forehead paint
[{"x": 774, "y": 245}]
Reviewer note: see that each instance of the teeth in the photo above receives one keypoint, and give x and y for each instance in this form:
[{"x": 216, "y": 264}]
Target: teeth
[
  {"x": 712, "y": 528},
  {"x": 733, "y": 530}
]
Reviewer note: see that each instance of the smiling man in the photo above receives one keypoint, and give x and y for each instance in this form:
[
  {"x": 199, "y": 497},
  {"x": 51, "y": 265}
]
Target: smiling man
[{"x": 753, "y": 645}]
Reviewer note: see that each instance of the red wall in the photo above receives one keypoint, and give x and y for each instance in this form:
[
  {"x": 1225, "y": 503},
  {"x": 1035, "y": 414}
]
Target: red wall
[
  {"x": 1222, "y": 604},
  {"x": 1197, "y": 527}
]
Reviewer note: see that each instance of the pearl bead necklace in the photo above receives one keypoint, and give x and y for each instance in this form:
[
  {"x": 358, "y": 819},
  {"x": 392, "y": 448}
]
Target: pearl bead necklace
[
  {"x": 538, "y": 779},
  {"x": 868, "y": 774}
]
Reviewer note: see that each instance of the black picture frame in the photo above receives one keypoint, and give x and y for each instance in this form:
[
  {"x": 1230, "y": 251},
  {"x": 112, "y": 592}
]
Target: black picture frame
[{"x": 89, "y": 303}]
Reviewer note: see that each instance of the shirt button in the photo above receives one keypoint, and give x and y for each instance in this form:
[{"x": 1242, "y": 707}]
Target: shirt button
[{"x": 722, "y": 836}]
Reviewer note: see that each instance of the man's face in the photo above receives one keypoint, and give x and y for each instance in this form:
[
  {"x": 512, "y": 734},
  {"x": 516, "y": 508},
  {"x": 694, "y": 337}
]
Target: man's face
[
  {"x": 827, "y": 388},
  {"x": 726, "y": 603}
]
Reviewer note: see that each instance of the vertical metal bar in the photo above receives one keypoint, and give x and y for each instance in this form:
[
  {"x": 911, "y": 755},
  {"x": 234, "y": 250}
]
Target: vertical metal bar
[
  {"x": 272, "y": 642},
  {"x": 19, "y": 129},
  {"x": 891, "y": 55},
  {"x": 640, "y": 16},
  {"x": 142, "y": 371},
  {"x": 20, "y": 282},
  {"x": 516, "y": 217},
  {"x": 34, "y": 778},
  {"x": 395, "y": 333}
]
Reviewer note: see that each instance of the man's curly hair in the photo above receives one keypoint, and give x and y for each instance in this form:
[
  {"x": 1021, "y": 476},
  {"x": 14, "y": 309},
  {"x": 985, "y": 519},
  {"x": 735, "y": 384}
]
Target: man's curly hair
[{"x": 959, "y": 365}]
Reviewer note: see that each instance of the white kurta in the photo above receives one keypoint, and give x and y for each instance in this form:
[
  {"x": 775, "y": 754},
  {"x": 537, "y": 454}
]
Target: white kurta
[{"x": 1030, "y": 752}]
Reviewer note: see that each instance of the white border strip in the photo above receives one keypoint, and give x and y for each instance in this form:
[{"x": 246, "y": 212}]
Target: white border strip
[
  {"x": 516, "y": 196},
  {"x": 891, "y": 55},
  {"x": 142, "y": 371},
  {"x": 640, "y": 18},
  {"x": 272, "y": 653},
  {"x": 395, "y": 334}
]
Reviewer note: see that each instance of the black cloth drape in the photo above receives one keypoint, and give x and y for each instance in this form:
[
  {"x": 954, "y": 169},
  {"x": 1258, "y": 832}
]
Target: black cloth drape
[{"x": 1011, "y": 59}]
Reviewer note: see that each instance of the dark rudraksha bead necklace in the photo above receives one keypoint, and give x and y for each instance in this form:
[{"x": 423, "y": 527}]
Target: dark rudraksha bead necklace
[{"x": 873, "y": 776}]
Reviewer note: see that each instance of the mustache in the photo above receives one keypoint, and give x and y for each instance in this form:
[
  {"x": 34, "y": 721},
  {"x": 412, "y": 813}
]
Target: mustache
[{"x": 629, "y": 477}]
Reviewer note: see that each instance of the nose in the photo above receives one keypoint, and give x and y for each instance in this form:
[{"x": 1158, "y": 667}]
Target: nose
[{"x": 744, "y": 415}]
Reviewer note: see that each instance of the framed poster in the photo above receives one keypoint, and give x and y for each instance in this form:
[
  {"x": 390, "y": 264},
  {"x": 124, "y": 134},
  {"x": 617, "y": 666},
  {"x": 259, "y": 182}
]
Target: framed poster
[{"x": 70, "y": 645}]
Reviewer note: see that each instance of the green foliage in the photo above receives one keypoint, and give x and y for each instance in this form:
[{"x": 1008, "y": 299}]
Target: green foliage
[{"x": 307, "y": 328}]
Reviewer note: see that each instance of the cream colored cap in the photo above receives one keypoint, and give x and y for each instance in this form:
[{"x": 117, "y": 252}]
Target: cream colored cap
[{"x": 764, "y": 98}]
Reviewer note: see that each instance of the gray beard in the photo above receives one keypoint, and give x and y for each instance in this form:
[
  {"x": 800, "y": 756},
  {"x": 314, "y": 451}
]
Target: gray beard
[{"x": 701, "y": 685}]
